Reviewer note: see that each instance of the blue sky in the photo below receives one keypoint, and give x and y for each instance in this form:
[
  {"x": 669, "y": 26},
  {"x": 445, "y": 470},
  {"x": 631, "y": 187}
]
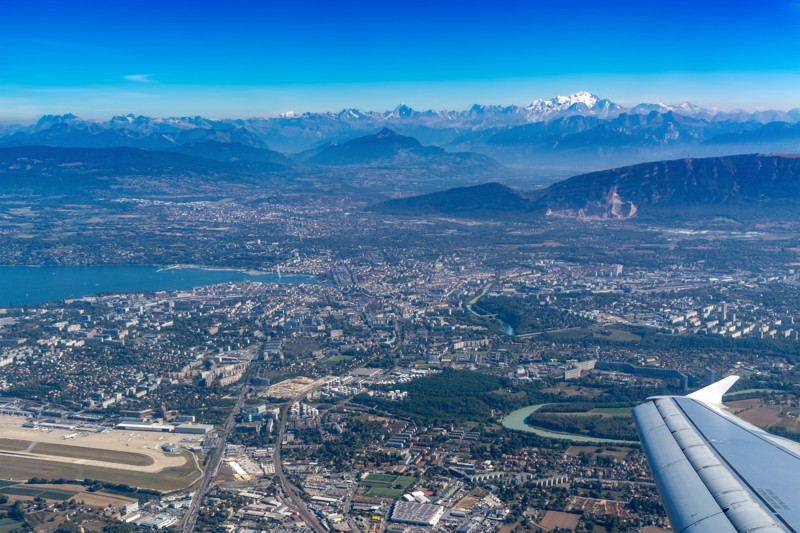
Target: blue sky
[{"x": 252, "y": 58}]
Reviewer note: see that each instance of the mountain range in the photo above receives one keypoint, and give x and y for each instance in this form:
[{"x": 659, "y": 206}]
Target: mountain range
[
  {"x": 359, "y": 164},
  {"x": 387, "y": 147},
  {"x": 578, "y": 132},
  {"x": 738, "y": 185},
  {"x": 70, "y": 171},
  {"x": 734, "y": 186}
]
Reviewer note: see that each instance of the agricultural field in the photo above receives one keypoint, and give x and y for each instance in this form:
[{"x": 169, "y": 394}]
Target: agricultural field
[
  {"x": 58, "y": 492},
  {"x": 618, "y": 453},
  {"x": 39, "y": 491},
  {"x": 8, "y": 524},
  {"x": 755, "y": 411},
  {"x": 611, "y": 411},
  {"x": 742, "y": 373},
  {"x": 557, "y": 519},
  {"x": 103, "y": 499}
]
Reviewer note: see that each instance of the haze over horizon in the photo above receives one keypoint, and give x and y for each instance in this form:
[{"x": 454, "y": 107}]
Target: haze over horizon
[
  {"x": 262, "y": 60},
  {"x": 379, "y": 108}
]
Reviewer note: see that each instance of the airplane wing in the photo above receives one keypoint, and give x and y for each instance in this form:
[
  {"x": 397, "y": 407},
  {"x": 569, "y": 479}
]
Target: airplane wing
[{"x": 715, "y": 472}]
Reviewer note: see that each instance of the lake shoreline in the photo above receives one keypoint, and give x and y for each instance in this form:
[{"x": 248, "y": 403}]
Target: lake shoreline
[
  {"x": 35, "y": 285},
  {"x": 177, "y": 266}
]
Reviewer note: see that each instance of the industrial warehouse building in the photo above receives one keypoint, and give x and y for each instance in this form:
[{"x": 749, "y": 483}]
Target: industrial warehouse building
[
  {"x": 193, "y": 429},
  {"x": 417, "y": 514}
]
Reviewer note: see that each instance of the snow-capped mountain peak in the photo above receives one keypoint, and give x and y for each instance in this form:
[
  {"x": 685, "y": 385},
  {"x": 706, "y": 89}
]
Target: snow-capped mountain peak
[
  {"x": 48, "y": 121},
  {"x": 563, "y": 102},
  {"x": 582, "y": 97},
  {"x": 350, "y": 113},
  {"x": 583, "y": 102},
  {"x": 402, "y": 111}
]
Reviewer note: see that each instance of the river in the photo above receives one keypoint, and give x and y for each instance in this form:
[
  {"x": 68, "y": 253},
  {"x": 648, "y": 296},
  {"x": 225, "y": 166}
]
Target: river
[
  {"x": 516, "y": 420},
  {"x": 23, "y": 285}
]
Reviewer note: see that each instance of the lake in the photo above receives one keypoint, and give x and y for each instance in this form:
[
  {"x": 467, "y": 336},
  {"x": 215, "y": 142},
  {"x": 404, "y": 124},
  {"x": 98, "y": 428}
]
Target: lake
[{"x": 22, "y": 285}]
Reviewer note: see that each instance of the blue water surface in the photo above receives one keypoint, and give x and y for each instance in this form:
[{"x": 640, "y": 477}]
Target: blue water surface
[{"x": 24, "y": 285}]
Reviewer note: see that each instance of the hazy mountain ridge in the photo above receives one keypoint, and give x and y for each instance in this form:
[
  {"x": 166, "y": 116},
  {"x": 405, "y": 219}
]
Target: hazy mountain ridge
[
  {"x": 379, "y": 163},
  {"x": 777, "y": 131},
  {"x": 580, "y": 133},
  {"x": 684, "y": 186},
  {"x": 297, "y": 132},
  {"x": 382, "y": 146},
  {"x": 745, "y": 179},
  {"x": 387, "y": 147},
  {"x": 72, "y": 133},
  {"x": 232, "y": 152},
  {"x": 625, "y": 130},
  {"x": 69, "y": 171},
  {"x": 492, "y": 200}
]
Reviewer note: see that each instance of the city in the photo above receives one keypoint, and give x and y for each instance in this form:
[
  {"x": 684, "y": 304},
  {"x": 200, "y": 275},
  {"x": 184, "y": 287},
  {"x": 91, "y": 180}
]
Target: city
[
  {"x": 399, "y": 267},
  {"x": 331, "y": 403}
]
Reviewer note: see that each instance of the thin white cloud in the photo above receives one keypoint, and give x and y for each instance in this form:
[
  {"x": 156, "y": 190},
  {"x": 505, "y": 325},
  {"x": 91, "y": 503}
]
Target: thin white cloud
[{"x": 139, "y": 78}]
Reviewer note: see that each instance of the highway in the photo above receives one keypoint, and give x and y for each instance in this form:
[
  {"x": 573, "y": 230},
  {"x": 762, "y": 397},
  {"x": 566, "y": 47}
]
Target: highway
[{"x": 190, "y": 518}]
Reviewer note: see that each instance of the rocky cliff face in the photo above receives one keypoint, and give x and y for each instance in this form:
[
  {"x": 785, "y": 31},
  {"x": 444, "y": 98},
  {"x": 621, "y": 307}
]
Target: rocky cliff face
[
  {"x": 611, "y": 206},
  {"x": 684, "y": 183}
]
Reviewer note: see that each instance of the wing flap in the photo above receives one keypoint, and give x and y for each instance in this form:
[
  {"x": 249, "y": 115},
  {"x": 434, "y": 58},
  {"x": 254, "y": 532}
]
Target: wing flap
[
  {"x": 700, "y": 490},
  {"x": 690, "y": 503}
]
